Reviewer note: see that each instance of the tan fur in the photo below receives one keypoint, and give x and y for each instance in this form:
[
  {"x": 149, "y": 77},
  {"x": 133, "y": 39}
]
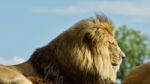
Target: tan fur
[
  {"x": 139, "y": 75},
  {"x": 12, "y": 76},
  {"x": 87, "y": 53}
]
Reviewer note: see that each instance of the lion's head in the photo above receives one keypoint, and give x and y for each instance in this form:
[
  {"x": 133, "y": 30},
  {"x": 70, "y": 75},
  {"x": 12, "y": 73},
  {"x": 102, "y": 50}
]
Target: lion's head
[{"x": 86, "y": 53}]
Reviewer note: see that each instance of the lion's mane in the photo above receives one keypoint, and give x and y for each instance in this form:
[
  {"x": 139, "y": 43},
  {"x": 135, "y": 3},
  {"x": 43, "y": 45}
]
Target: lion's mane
[
  {"x": 87, "y": 53},
  {"x": 77, "y": 56}
]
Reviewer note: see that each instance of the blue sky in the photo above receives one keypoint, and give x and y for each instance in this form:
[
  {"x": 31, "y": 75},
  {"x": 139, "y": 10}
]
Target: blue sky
[{"x": 29, "y": 24}]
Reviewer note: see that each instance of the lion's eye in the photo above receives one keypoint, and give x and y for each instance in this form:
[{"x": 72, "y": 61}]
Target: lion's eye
[
  {"x": 111, "y": 43},
  {"x": 111, "y": 46}
]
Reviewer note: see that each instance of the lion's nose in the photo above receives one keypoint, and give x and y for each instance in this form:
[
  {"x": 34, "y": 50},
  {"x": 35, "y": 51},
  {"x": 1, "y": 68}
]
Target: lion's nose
[{"x": 123, "y": 55}]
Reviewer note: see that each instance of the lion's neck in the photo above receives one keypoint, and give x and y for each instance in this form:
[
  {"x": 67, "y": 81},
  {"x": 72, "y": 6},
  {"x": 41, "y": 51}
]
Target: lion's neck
[
  {"x": 52, "y": 69},
  {"x": 52, "y": 73}
]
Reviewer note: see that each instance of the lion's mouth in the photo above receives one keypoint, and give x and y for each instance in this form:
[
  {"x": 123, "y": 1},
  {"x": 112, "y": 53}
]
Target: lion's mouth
[{"x": 114, "y": 65}]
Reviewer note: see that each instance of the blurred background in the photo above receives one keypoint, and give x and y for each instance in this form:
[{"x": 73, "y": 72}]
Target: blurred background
[{"x": 26, "y": 25}]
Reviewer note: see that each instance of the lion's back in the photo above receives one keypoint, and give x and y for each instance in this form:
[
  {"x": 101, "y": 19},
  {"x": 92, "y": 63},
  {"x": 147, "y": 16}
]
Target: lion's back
[{"x": 140, "y": 75}]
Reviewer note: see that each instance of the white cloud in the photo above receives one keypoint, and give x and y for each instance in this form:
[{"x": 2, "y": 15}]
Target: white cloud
[
  {"x": 17, "y": 60},
  {"x": 14, "y": 60},
  {"x": 139, "y": 20},
  {"x": 67, "y": 10},
  {"x": 125, "y": 8},
  {"x": 137, "y": 9},
  {"x": 117, "y": 7}
]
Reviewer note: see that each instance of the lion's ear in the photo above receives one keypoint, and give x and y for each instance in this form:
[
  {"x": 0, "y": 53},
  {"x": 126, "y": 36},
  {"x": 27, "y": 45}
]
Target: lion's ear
[{"x": 88, "y": 37}]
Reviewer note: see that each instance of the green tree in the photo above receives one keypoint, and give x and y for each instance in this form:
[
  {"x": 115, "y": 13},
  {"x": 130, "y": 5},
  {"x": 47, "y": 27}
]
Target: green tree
[{"x": 136, "y": 47}]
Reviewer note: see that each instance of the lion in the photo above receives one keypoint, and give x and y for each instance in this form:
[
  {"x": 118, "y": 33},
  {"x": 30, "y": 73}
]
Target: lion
[
  {"x": 12, "y": 76},
  {"x": 86, "y": 53},
  {"x": 139, "y": 75}
]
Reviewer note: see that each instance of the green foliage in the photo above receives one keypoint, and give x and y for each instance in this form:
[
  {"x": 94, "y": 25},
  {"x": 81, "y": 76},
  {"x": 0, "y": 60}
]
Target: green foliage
[{"x": 136, "y": 47}]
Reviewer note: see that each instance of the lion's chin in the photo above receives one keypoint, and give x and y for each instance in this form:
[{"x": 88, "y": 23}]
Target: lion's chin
[{"x": 116, "y": 66}]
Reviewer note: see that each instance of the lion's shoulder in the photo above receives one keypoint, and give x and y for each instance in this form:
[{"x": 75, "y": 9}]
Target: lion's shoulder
[{"x": 138, "y": 75}]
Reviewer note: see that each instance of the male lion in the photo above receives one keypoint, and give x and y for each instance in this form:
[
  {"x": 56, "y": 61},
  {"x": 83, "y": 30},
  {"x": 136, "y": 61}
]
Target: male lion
[
  {"x": 87, "y": 53},
  {"x": 140, "y": 75}
]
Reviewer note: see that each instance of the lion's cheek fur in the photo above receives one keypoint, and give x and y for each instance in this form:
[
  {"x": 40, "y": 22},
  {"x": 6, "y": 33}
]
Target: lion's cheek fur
[
  {"x": 82, "y": 60},
  {"x": 104, "y": 65}
]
